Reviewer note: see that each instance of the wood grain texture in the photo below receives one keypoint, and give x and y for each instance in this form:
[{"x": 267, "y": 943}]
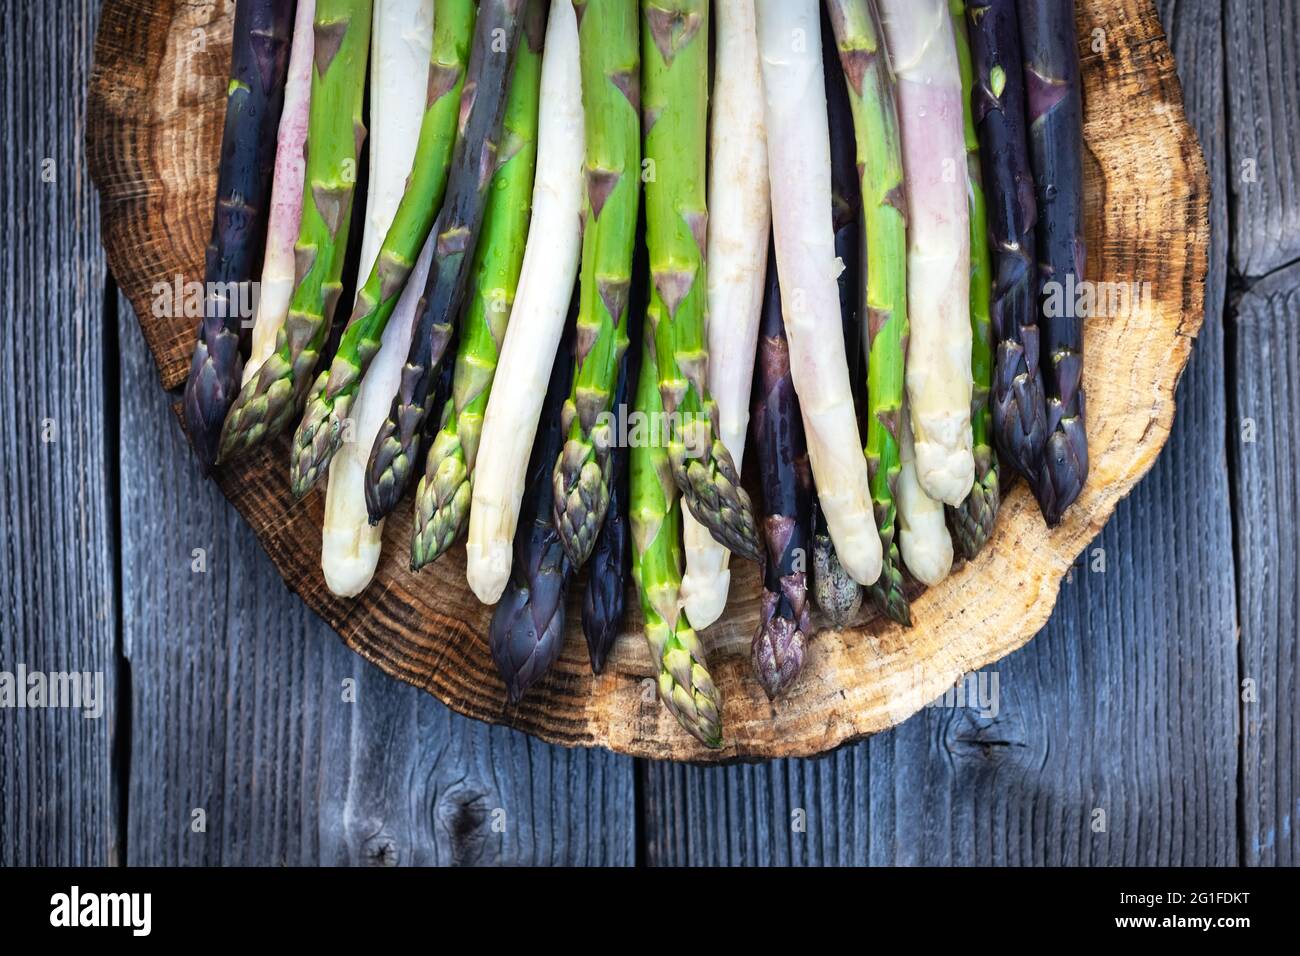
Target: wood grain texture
[
  {"x": 1263, "y": 80},
  {"x": 1147, "y": 216},
  {"x": 1267, "y": 460},
  {"x": 1122, "y": 704},
  {"x": 247, "y": 707},
  {"x": 57, "y": 552}
]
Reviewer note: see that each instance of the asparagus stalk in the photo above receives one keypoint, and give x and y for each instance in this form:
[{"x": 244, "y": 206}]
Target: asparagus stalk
[
  {"x": 684, "y": 683},
  {"x": 924, "y": 55},
  {"x": 608, "y": 31},
  {"x": 739, "y": 226},
  {"x": 402, "y": 33},
  {"x": 443, "y": 495},
  {"x": 527, "y": 629},
  {"x": 491, "y": 63},
  {"x": 798, "y": 152},
  {"x": 972, "y": 521},
  {"x": 777, "y": 650},
  {"x": 923, "y": 537},
  {"x": 286, "y": 196},
  {"x": 537, "y": 319},
  {"x": 323, "y": 427},
  {"x": 604, "y": 602},
  {"x": 1019, "y": 417},
  {"x": 674, "y": 58},
  {"x": 1055, "y": 98},
  {"x": 334, "y": 137},
  {"x": 858, "y": 34},
  {"x": 259, "y": 59},
  {"x": 841, "y": 596}
]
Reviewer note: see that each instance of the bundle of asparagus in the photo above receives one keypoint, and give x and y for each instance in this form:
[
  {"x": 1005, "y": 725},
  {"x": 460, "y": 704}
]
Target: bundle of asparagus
[{"x": 905, "y": 299}]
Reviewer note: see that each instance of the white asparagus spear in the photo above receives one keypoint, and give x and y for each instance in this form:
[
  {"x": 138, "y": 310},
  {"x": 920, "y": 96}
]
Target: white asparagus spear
[
  {"x": 798, "y": 152},
  {"x": 537, "y": 320},
  {"x": 923, "y": 539},
  {"x": 739, "y": 221},
  {"x": 923, "y": 51},
  {"x": 276, "y": 287},
  {"x": 401, "y": 44}
]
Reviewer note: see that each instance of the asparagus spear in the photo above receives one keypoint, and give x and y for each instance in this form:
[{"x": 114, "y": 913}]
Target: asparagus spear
[
  {"x": 841, "y": 596},
  {"x": 259, "y": 59},
  {"x": 443, "y": 495},
  {"x": 924, "y": 54},
  {"x": 1055, "y": 96},
  {"x": 286, "y": 195},
  {"x": 798, "y": 151},
  {"x": 1019, "y": 417},
  {"x": 545, "y": 286},
  {"x": 491, "y": 63},
  {"x": 402, "y": 33},
  {"x": 777, "y": 650},
  {"x": 604, "y": 602},
  {"x": 923, "y": 538},
  {"x": 322, "y": 429},
  {"x": 527, "y": 629},
  {"x": 674, "y": 58},
  {"x": 739, "y": 226},
  {"x": 334, "y": 137},
  {"x": 684, "y": 683},
  {"x": 611, "y": 84},
  {"x": 972, "y": 520},
  {"x": 858, "y": 34}
]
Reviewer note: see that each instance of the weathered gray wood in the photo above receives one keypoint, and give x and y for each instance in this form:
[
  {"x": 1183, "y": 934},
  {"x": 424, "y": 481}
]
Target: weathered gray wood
[
  {"x": 1124, "y": 704},
  {"x": 1267, "y": 466},
  {"x": 57, "y": 553},
  {"x": 1263, "y": 80},
  {"x": 239, "y": 709}
]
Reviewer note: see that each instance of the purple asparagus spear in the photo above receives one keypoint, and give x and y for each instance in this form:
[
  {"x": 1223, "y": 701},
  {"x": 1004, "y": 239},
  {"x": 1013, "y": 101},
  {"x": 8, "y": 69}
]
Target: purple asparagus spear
[
  {"x": 259, "y": 60},
  {"x": 778, "y": 646},
  {"x": 1055, "y": 99}
]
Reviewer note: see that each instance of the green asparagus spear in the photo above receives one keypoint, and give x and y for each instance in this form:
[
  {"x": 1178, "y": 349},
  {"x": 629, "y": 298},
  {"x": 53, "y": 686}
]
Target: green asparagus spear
[
  {"x": 856, "y": 24},
  {"x": 685, "y": 686},
  {"x": 674, "y": 79},
  {"x": 443, "y": 495},
  {"x": 321, "y": 430},
  {"x": 608, "y": 34},
  {"x": 334, "y": 137},
  {"x": 972, "y": 520}
]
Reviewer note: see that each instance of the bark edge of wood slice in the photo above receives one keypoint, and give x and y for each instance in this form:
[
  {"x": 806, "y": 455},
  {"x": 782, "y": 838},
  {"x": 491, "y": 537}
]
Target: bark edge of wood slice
[{"x": 155, "y": 111}]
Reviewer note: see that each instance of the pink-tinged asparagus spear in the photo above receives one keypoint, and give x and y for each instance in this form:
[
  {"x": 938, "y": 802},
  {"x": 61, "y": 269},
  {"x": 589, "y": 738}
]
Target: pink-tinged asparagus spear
[
  {"x": 798, "y": 152},
  {"x": 739, "y": 222},
  {"x": 537, "y": 318},
  {"x": 923, "y": 51},
  {"x": 286, "y": 195}
]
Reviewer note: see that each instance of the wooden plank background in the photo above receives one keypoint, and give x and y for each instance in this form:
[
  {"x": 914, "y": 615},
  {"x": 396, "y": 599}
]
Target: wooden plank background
[{"x": 1153, "y": 721}]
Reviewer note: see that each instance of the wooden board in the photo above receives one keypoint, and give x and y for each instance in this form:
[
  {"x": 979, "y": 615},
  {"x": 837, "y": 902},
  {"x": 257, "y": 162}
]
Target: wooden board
[
  {"x": 58, "y": 550},
  {"x": 1267, "y": 329},
  {"x": 156, "y": 102}
]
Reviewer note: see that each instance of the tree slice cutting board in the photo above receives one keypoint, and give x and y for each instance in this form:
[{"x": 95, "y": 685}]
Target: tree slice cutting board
[{"x": 157, "y": 99}]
